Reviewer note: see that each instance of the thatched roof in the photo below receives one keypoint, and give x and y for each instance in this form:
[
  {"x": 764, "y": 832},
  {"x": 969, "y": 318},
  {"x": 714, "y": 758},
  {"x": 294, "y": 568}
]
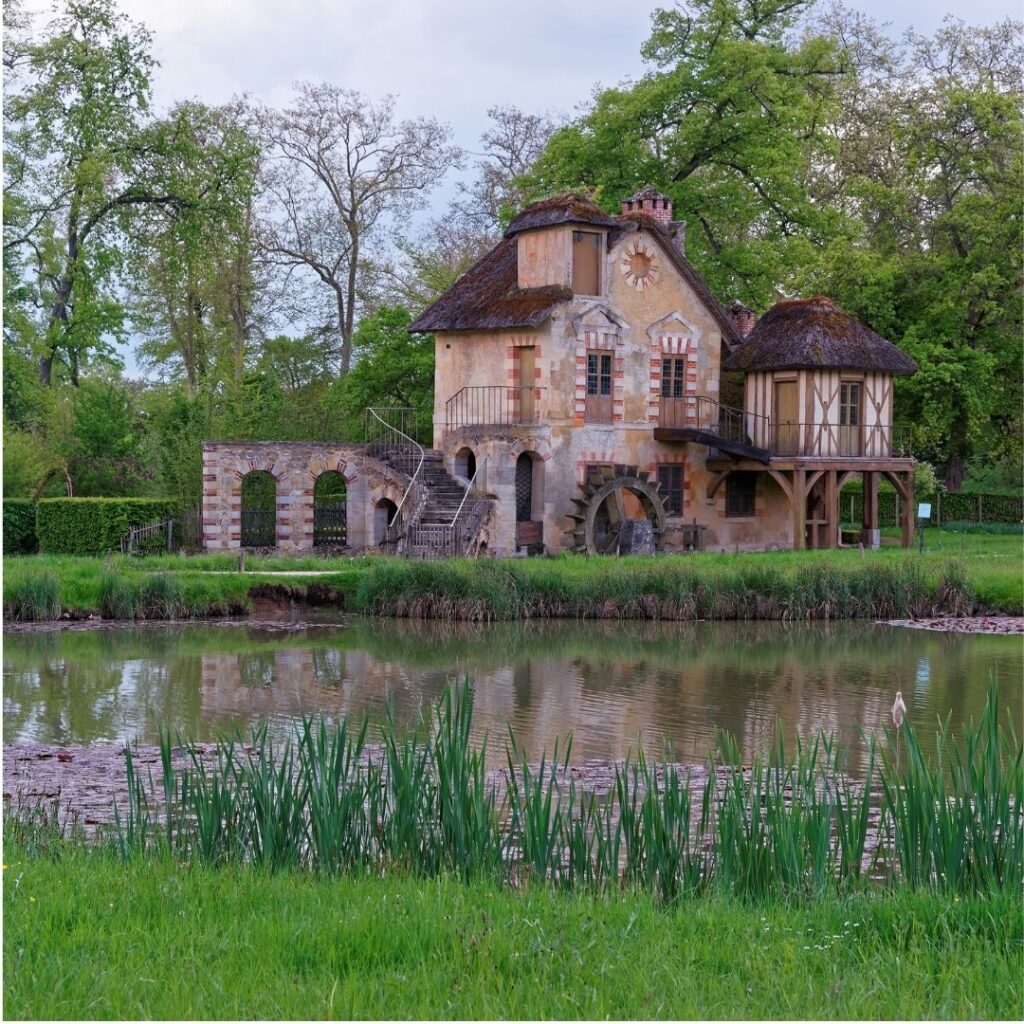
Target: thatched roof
[
  {"x": 486, "y": 297},
  {"x": 565, "y": 208},
  {"x": 812, "y": 334}
]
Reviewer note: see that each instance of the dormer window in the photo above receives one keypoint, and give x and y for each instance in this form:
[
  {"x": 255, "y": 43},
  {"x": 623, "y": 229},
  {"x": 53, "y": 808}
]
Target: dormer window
[{"x": 586, "y": 263}]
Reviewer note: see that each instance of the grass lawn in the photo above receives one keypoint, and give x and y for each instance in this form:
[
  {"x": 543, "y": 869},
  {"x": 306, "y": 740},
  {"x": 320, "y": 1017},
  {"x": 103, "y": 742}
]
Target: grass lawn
[
  {"x": 86, "y": 935},
  {"x": 991, "y": 565}
]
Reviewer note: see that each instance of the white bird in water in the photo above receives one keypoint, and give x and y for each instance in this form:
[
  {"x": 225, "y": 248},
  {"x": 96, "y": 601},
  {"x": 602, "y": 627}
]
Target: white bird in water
[{"x": 899, "y": 709}]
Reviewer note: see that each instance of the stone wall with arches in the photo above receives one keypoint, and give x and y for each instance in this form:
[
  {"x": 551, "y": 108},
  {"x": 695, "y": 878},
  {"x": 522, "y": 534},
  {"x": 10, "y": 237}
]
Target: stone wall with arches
[{"x": 295, "y": 467}]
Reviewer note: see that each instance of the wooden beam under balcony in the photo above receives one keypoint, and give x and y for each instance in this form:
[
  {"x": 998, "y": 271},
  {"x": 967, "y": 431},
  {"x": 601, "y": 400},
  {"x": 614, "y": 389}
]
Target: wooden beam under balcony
[{"x": 712, "y": 439}]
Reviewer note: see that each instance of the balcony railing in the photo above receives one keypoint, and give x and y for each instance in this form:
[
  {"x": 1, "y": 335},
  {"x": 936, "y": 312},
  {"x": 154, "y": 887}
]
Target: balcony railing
[
  {"x": 839, "y": 440},
  {"x": 496, "y": 405},
  {"x": 706, "y": 414},
  {"x": 821, "y": 440}
]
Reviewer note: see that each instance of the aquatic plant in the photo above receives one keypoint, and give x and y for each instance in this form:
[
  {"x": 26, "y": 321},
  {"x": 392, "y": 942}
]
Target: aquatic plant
[
  {"x": 34, "y": 598},
  {"x": 792, "y": 822}
]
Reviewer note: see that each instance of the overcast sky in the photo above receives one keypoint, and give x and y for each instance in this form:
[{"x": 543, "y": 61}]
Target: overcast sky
[{"x": 450, "y": 59}]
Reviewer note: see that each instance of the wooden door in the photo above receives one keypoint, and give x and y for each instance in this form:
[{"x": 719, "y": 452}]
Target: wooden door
[
  {"x": 785, "y": 418},
  {"x": 850, "y": 433},
  {"x": 527, "y": 375},
  {"x": 673, "y": 391},
  {"x": 599, "y": 387}
]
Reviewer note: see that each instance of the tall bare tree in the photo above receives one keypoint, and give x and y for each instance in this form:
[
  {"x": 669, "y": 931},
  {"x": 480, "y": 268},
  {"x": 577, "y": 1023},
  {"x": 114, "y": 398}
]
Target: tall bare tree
[{"x": 339, "y": 168}]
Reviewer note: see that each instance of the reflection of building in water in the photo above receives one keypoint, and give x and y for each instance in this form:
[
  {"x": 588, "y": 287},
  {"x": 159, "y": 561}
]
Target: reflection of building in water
[{"x": 610, "y": 687}]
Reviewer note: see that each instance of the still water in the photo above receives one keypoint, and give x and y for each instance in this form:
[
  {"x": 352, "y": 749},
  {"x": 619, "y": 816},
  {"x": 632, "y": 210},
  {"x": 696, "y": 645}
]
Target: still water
[{"x": 614, "y": 686}]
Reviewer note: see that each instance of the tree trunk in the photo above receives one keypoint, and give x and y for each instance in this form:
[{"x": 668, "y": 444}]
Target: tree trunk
[{"x": 954, "y": 473}]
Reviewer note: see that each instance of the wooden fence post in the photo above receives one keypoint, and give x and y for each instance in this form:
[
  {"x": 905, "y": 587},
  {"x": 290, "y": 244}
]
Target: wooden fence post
[
  {"x": 938, "y": 508},
  {"x": 979, "y": 508}
]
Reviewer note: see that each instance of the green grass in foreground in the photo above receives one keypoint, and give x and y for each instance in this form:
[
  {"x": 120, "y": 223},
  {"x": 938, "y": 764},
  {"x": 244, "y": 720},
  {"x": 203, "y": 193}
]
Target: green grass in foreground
[
  {"x": 813, "y": 584},
  {"x": 86, "y": 935}
]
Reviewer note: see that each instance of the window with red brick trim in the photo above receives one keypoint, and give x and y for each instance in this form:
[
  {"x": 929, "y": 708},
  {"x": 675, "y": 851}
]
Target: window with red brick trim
[{"x": 670, "y": 477}]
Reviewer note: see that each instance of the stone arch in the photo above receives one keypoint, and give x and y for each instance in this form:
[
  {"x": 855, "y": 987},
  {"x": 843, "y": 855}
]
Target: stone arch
[
  {"x": 330, "y": 509},
  {"x": 464, "y": 462},
  {"x": 384, "y": 512},
  {"x": 258, "y": 509},
  {"x": 538, "y": 447}
]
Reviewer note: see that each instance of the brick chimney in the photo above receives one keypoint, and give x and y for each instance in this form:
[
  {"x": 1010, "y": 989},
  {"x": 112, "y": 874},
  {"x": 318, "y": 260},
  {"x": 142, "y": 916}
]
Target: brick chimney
[
  {"x": 650, "y": 202},
  {"x": 743, "y": 319}
]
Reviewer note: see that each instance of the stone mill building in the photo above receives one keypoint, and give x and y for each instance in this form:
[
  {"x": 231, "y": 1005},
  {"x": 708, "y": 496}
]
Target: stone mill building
[{"x": 592, "y": 394}]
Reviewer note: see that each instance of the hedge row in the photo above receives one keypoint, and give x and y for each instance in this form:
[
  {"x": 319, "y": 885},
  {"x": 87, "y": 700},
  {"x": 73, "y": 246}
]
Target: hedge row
[
  {"x": 977, "y": 508},
  {"x": 20, "y": 527},
  {"x": 94, "y": 526}
]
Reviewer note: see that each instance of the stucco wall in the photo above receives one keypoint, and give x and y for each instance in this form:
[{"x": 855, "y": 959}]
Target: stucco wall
[{"x": 638, "y": 327}]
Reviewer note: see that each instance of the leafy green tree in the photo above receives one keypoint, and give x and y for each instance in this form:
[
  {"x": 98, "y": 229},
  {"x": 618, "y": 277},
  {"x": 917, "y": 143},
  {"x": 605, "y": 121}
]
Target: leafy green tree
[
  {"x": 931, "y": 173},
  {"x": 194, "y": 261},
  {"x": 728, "y": 122},
  {"x": 392, "y": 368},
  {"x": 81, "y": 161},
  {"x": 108, "y": 454}
]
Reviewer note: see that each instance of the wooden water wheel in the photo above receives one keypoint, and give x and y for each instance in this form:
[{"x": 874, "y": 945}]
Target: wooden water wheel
[{"x": 604, "y": 506}]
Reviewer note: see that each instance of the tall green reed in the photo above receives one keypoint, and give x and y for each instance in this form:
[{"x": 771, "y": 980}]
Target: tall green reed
[{"x": 791, "y": 822}]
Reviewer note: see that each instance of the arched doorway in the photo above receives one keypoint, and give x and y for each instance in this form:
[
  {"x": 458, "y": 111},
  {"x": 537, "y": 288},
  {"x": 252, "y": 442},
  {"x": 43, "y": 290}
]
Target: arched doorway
[
  {"x": 259, "y": 510},
  {"x": 465, "y": 463},
  {"x": 329, "y": 510},
  {"x": 530, "y": 501},
  {"x": 384, "y": 513}
]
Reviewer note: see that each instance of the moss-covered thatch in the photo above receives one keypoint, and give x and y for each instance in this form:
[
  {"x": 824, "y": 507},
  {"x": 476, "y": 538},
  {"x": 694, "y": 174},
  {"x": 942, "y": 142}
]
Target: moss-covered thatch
[
  {"x": 564, "y": 208},
  {"x": 815, "y": 334},
  {"x": 487, "y": 297}
]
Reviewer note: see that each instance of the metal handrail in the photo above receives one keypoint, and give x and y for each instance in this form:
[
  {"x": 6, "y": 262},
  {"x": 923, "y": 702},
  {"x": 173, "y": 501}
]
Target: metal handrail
[
  {"x": 419, "y": 465},
  {"x": 469, "y": 487}
]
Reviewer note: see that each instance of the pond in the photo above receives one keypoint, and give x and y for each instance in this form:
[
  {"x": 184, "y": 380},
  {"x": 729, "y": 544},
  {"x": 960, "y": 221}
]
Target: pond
[{"x": 614, "y": 686}]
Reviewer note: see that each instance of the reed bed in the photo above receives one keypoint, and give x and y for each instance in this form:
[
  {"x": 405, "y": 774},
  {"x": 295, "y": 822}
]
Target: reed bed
[
  {"x": 670, "y": 589},
  {"x": 793, "y": 822}
]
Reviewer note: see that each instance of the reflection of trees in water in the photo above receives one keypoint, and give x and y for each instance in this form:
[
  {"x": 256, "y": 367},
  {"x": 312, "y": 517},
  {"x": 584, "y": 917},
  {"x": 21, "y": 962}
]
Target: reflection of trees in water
[
  {"x": 257, "y": 669},
  {"x": 328, "y": 667}
]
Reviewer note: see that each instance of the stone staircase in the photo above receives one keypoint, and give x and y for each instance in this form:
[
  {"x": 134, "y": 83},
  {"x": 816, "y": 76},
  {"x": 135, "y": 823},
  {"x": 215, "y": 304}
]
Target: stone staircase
[{"x": 432, "y": 530}]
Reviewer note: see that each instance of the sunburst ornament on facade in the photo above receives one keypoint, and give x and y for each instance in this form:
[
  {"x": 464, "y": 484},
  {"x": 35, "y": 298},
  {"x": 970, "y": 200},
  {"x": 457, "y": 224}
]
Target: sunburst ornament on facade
[{"x": 640, "y": 266}]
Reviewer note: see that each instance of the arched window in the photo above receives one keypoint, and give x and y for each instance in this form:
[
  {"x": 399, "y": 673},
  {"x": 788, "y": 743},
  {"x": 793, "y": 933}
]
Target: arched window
[
  {"x": 465, "y": 463},
  {"x": 329, "y": 510},
  {"x": 259, "y": 510},
  {"x": 384, "y": 513}
]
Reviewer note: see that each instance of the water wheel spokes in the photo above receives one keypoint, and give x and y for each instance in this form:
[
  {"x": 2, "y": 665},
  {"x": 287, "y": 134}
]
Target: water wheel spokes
[{"x": 597, "y": 520}]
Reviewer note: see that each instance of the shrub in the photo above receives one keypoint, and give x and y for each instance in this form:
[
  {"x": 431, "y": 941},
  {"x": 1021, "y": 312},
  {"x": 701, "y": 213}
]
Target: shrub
[
  {"x": 20, "y": 527},
  {"x": 93, "y": 526}
]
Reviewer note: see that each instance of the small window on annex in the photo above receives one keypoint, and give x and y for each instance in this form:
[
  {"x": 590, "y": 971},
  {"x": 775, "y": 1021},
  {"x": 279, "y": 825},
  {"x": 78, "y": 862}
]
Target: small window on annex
[
  {"x": 670, "y": 478},
  {"x": 586, "y": 263},
  {"x": 740, "y": 494}
]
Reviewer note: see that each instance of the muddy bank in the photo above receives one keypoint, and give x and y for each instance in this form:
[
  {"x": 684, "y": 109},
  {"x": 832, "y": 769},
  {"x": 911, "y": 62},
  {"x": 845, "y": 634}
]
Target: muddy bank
[
  {"x": 81, "y": 785},
  {"x": 997, "y": 625}
]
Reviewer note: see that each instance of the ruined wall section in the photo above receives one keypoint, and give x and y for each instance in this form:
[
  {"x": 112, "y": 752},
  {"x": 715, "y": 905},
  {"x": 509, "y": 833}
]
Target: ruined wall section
[{"x": 295, "y": 467}]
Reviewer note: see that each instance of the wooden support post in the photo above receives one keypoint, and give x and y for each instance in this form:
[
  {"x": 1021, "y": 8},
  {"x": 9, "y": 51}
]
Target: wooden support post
[
  {"x": 799, "y": 509},
  {"x": 908, "y": 512},
  {"x": 869, "y": 520},
  {"x": 831, "y": 510}
]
